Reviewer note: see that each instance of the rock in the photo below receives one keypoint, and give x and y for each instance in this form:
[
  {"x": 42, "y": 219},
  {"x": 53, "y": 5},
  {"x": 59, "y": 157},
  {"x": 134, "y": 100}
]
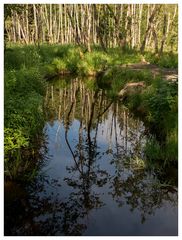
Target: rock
[{"x": 131, "y": 88}]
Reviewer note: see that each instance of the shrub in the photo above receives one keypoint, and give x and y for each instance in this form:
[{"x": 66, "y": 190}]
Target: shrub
[
  {"x": 152, "y": 150},
  {"x": 19, "y": 57},
  {"x": 14, "y": 141},
  {"x": 23, "y": 109}
]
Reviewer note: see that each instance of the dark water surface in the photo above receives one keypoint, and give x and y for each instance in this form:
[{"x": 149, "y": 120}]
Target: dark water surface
[{"x": 94, "y": 180}]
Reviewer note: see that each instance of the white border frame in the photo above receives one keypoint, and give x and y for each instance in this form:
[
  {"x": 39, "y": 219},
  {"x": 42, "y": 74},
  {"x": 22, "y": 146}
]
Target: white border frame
[{"x": 179, "y": 2}]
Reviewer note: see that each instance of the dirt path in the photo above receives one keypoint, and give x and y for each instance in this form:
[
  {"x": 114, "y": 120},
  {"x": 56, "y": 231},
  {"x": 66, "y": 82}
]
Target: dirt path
[{"x": 168, "y": 74}]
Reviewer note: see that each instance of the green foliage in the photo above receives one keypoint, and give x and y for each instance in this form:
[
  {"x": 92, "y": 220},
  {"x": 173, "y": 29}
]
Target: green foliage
[
  {"x": 22, "y": 57},
  {"x": 56, "y": 59},
  {"x": 159, "y": 103},
  {"x": 167, "y": 60},
  {"x": 49, "y": 71},
  {"x": 74, "y": 59},
  {"x": 13, "y": 140},
  {"x": 48, "y": 53},
  {"x": 171, "y": 147},
  {"x": 23, "y": 115},
  {"x": 59, "y": 66},
  {"x": 84, "y": 68},
  {"x": 134, "y": 101},
  {"x": 165, "y": 153},
  {"x": 98, "y": 60},
  {"x": 152, "y": 150}
]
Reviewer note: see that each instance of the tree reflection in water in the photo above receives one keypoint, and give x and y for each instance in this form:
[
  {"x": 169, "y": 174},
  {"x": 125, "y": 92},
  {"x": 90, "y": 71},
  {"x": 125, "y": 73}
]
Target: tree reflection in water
[{"x": 105, "y": 144}]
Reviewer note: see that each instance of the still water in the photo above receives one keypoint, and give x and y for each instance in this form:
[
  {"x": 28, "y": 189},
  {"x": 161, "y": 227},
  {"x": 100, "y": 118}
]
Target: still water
[{"x": 93, "y": 180}]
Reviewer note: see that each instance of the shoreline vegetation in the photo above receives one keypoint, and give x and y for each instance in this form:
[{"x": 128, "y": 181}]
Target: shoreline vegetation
[{"x": 103, "y": 43}]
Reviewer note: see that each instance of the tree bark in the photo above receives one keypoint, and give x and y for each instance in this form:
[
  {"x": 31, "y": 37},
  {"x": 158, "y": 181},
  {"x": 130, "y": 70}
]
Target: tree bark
[
  {"x": 150, "y": 24},
  {"x": 164, "y": 31}
]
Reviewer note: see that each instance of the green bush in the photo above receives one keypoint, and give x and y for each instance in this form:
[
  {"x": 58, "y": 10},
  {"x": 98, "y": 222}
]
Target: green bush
[
  {"x": 72, "y": 60},
  {"x": 14, "y": 141},
  {"x": 160, "y": 103},
  {"x": 19, "y": 57},
  {"x": 171, "y": 147},
  {"x": 24, "y": 88},
  {"x": 135, "y": 101},
  {"x": 167, "y": 60},
  {"x": 153, "y": 150}
]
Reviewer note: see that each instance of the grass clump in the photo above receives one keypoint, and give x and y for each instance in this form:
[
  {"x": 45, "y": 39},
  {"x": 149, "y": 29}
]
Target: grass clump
[
  {"x": 166, "y": 59},
  {"x": 59, "y": 66}
]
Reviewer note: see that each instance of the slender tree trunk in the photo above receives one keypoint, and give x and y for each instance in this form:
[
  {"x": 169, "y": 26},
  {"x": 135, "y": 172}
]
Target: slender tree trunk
[
  {"x": 139, "y": 23},
  {"x": 89, "y": 27},
  {"x": 27, "y": 24},
  {"x": 155, "y": 40},
  {"x": 98, "y": 30},
  {"x": 35, "y": 23},
  {"x": 50, "y": 23},
  {"x": 14, "y": 26},
  {"x": 164, "y": 30},
  {"x": 150, "y": 24}
]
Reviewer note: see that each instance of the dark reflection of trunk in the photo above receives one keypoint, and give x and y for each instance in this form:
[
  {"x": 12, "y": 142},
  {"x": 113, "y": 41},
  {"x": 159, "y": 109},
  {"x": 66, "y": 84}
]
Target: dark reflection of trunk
[
  {"x": 105, "y": 110},
  {"x": 72, "y": 153},
  {"x": 126, "y": 128},
  {"x": 82, "y": 163},
  {"x": 80, "y": 143},
  {"x": 98, "y": 117},
  {"x": 52, "y": 95},
  {"x": 66, "y": 132},
  {"x": 115, "y": 126},
  {"x": 91, "y": 116}
]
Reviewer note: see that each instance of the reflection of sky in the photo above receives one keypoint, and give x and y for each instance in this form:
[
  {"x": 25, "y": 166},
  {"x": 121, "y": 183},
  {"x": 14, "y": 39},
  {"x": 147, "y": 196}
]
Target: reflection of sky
[
  {"x": 114, "y": 221},
  {"x": 110, "y": 219},
  {"x": 114, "y": 217}
]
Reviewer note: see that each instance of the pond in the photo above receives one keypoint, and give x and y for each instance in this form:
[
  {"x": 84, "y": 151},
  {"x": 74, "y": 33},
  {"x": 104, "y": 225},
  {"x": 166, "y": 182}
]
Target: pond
[{"x": 94, "y": 180}]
